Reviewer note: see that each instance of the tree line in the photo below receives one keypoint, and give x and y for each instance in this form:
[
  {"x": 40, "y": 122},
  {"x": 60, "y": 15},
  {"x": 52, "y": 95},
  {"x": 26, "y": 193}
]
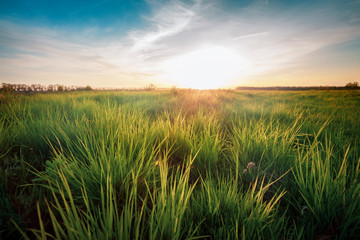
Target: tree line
[
  {"x": 350, "y": 85},
  {"x": 8, "y": 88}
]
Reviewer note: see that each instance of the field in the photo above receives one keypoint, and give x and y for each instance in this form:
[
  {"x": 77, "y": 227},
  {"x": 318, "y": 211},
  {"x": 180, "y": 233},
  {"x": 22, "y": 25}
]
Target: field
[{"x": 180, "y": 164}]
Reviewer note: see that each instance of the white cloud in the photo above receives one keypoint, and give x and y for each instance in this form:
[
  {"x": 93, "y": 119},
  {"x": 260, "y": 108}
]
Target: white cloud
[
  {"x": 167, "y": 21},
  {"x": 251, "y": 35}
]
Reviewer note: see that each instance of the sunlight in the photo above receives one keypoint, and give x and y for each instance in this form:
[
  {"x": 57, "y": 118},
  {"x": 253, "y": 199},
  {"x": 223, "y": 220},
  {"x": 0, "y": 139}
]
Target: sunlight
[{"x": 207, "y": 68}]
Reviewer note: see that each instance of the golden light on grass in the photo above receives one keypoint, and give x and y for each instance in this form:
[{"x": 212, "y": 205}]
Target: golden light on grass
[{"x": 207, "y": 68}]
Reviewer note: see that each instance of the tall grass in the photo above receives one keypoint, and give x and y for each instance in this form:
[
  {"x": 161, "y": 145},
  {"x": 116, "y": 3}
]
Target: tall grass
[{"x": 159, "y": 165}]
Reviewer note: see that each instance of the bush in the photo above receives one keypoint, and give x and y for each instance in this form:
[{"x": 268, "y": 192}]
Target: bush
[{"x": 352, "y": 85}]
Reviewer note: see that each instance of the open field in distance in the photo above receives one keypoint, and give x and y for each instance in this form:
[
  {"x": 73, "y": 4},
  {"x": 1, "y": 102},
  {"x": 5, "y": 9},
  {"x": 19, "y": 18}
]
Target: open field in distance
[{"x": 180, "y": 164}]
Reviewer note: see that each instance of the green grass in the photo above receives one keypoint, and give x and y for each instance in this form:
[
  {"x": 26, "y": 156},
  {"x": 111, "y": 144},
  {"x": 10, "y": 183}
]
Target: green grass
[{"x": 165, "y": 165}]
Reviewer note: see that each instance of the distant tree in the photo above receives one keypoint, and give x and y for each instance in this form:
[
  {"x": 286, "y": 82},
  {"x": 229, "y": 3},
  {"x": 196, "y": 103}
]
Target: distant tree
[
  {"x": 21, "y": 87},
  {"x": 7, "y": 88},
  {"x": 37, "y": 87},
  {"x": 88, "y": 88},
  {"x": 352, "y": 85},
  {"x": 60, "y": 88},
  {"x": 150, "y": 87},
  {"x": 51, "y": 88}
]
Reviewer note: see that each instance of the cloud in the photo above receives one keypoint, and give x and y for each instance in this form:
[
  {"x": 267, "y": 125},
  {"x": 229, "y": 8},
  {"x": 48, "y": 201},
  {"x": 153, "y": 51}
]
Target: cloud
[
  {"x": 167, "y": 21},
  {"x": 43, "y": 55},
  {"x": 251, "y": 35}
]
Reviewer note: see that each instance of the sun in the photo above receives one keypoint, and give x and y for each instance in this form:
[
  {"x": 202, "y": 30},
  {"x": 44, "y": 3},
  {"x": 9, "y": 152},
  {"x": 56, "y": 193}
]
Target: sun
[{"x": 206, "y": 68}]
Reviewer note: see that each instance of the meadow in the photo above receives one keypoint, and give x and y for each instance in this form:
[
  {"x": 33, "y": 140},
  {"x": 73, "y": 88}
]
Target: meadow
[{"x": 180, "y": 164}]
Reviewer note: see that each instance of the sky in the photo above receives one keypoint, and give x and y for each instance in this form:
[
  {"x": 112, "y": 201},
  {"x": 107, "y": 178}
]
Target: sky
[{"x": 190, "y": 43}]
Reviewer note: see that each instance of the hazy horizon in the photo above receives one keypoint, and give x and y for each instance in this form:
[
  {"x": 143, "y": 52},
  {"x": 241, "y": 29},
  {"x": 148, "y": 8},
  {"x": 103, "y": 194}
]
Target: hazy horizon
[{"x": 197, "y": 44}]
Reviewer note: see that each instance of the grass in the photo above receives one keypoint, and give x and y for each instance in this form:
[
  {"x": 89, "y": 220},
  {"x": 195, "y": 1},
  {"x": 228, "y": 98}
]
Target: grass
[{"x": 170, "y": 165}]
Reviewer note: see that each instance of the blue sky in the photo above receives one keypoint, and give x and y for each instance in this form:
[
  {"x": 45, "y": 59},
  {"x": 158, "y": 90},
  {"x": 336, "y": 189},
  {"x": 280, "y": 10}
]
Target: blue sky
[
  {"x": 114, "y": 43},
  {"x": 74, "y": 14}
]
